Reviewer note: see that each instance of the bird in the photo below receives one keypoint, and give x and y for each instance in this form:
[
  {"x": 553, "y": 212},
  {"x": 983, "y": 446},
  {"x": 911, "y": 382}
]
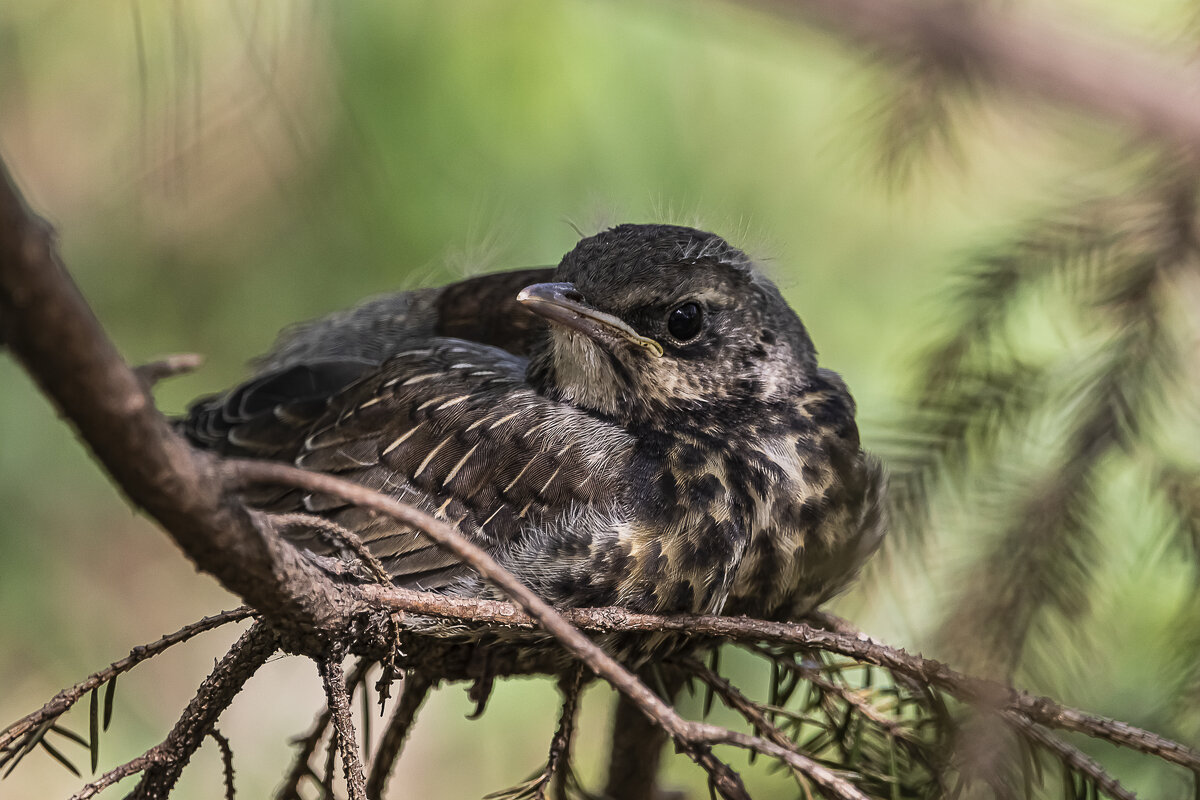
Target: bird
[{"x": 645, "y": 425}]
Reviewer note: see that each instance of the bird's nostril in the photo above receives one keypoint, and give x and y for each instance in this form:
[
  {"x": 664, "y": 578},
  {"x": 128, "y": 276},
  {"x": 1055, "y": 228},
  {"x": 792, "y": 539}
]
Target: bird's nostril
[{"x": 573, "y": 296}]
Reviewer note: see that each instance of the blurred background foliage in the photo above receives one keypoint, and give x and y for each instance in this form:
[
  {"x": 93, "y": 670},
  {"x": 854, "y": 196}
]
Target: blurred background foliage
[{"x": 218, "y": 170}]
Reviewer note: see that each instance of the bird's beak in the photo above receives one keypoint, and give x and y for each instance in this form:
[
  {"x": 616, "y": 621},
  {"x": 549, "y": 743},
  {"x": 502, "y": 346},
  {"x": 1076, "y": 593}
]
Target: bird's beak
[{"x": 561, "y": 303}]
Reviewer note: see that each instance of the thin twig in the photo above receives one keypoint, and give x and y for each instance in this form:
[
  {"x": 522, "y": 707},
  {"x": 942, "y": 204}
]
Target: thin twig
[
  {"x": 844, "y": 693},
  {"x": 980, "y": 692},
  {"x": 560, "y": 746},
  {"x": 169, "y": 367},
  {"x": 345, "y": 739},
  {"x": 337, "y": 536},
  {"x": 63, "y": 701},
  {"x": 828, "y": 782},
  {"x": 226, "y": 761},
  {"x": 413, "y": 692},
  {"x": 301, "y": 768},
  {"x": 1073, "y": 757},
  {"x": 119, "y": 773},
  {"x": 215, "y": 694}
]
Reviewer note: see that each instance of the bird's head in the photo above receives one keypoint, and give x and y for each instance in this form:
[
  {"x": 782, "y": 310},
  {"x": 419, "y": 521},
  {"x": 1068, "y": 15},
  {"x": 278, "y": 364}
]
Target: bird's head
[{"x": 654, "y": 319}]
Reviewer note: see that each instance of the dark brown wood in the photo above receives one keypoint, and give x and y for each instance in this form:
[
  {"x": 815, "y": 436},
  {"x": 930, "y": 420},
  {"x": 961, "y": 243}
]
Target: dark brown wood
[{"x": 636, "y": 752}]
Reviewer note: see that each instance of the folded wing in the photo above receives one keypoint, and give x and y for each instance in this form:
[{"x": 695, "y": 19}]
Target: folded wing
[{"x": 450, "y": 427}]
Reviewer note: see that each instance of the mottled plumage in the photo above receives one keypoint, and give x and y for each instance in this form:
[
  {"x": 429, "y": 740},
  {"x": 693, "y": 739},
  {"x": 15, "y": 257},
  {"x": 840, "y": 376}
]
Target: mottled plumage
[{"x": 667, "y": 442}]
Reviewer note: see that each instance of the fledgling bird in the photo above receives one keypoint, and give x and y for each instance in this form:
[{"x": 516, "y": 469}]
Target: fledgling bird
[{"x": 656, "y": 434}]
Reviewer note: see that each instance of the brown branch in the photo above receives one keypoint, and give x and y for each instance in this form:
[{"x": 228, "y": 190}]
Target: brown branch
[
  {"x": 636, "y": 752},
  {"x": 49, "y": 327},
  {"x": 301, "y": 768},
  {"x": 217, "y": 691},
  {"x": 413, "y": 692},
  {"x": 51, "y": 330},
  {"x": 345, "y": 741},
  {"x": 571, "y": 687},
  {"x": 226, "y": 761},
  {"x": 63, "y": 701},
  {"x": 977, "y": 691},
  {"x": 689, "y": 736},
  {"x": 169, "y": 367},
  {"x": 828, "y": 782},
  {"x": 1108, "y": 79},
  {"x": 119, "y": 773},
  {"x": 1072, "y": 757}
]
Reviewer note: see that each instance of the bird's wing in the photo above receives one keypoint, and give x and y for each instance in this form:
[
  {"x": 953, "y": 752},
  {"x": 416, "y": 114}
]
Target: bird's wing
[
  {"x": 481, "y": 309},
  {"x": 451, "y": 427}
]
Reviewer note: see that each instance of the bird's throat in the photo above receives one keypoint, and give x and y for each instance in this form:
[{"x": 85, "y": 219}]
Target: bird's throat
[{"x": 584, "y": 374}]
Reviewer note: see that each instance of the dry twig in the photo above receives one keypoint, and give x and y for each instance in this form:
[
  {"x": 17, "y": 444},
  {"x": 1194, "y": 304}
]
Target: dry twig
[
  {"x": 301, "y": 768},
  {"x": 226, "y": 761},
  {"x": 215, "y": 694},
  {"x": 345, "y": 741},
  {"x": 828, "y": 782},
  {"x": 413, "y": 692},
  {"x": 62, "y": 702}
]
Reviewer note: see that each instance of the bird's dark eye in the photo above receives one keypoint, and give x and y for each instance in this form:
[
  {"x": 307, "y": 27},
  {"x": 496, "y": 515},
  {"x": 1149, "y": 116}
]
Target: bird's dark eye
[{"x": 684, "y": 321}]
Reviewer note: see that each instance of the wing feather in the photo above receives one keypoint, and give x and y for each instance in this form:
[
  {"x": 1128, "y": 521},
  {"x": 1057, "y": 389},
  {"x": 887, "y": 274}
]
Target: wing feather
[{"x": 451, "y": 427}]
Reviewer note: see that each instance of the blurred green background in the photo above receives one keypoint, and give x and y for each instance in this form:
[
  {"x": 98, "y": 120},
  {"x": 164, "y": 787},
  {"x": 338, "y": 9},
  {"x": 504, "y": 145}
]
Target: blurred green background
[{"x": 218, "y": 170}]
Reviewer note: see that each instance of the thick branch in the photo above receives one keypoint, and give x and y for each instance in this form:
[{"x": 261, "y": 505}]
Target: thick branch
[
  {"x": 50, "y": 329},
  {"x": 1030, "y": 55}
]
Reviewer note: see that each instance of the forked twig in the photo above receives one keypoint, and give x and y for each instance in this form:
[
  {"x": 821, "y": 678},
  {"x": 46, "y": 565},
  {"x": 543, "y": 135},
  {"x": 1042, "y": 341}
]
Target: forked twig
[
  {"x": 217, "y": 691},
  {"x": 559, "y": 759},
  {"x": 828, "y": 782},
  {"x": 301, "y": 768}
]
